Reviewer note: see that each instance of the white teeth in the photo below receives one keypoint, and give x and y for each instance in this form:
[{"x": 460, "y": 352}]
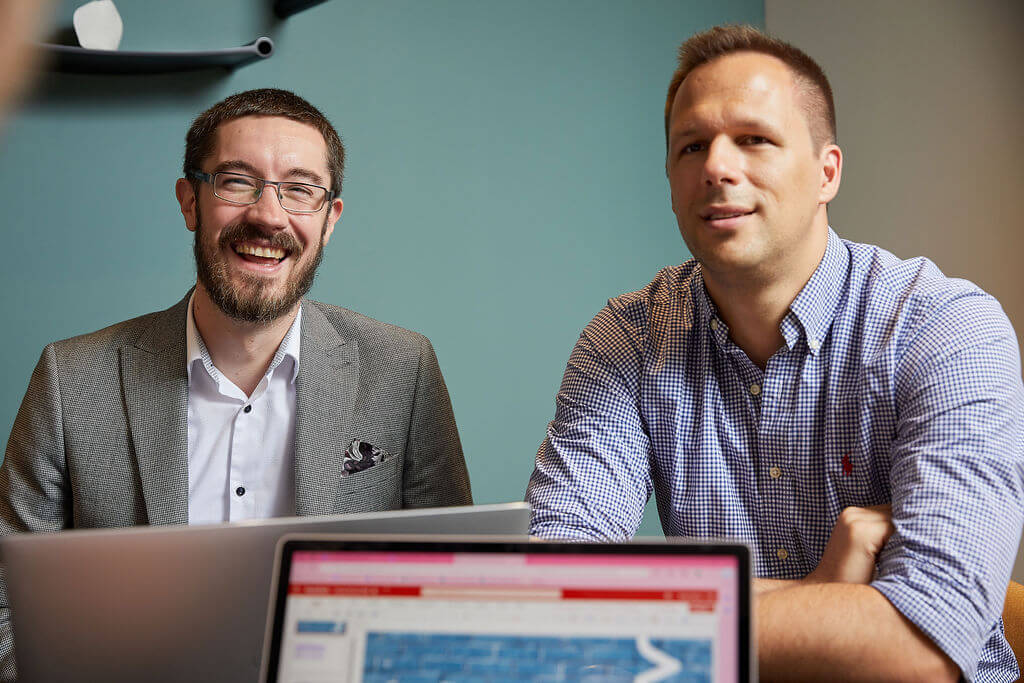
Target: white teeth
[{"x": 264, "y": 252}]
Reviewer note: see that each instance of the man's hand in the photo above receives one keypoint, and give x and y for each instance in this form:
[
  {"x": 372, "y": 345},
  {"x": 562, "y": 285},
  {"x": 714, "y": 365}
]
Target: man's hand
[{"x": 853, "y": 547}]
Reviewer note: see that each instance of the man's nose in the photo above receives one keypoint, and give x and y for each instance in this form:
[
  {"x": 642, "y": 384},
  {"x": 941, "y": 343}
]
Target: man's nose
[
  {"x": 267, "y": 211},
  {"x": 722, "y": 163}
]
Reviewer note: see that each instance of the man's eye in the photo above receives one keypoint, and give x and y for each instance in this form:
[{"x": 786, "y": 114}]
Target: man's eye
[
  {"x": 755, "y": 140},
  {"x": 298, "y": 191},
  {"x": 237, "y": 183},
  {"x": 692, "y": 147}
]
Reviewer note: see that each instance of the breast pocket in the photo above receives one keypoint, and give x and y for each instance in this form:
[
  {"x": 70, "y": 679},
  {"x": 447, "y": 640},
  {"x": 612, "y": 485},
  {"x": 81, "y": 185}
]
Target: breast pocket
[
  {"x": 375, "y": 489},
  {"x": 854, "y": 478}
]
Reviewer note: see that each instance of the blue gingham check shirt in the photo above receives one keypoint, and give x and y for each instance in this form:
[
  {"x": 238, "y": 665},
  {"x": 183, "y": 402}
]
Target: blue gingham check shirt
[{"x": 895, "y": 384}]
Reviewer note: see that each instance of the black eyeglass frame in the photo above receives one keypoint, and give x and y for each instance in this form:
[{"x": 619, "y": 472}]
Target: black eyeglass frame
[{"x": 262, "y": 183}]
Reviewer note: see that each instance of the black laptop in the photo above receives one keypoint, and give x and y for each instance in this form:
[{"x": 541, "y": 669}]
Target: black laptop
[{"x": 358, "y": 609}]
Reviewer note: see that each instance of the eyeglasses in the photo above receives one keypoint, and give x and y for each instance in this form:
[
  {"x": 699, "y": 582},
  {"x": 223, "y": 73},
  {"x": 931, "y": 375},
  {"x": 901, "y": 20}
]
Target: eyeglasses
[{"x": 239, "y": 188}]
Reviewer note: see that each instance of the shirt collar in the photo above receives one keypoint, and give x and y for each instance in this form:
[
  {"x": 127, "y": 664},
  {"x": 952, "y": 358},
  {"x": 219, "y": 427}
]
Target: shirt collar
[
  {"x": 814, "y": 308},
  {"x": 196, "y": 350},
  {"x": 707, "y": 313},
  {"x": 812, "y": 311}
]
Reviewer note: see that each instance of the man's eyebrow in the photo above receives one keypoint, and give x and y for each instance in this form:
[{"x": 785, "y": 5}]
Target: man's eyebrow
[
  {"x": 236, "y": 165},
  {"x": 305, "y": 174},
  {"x": 756, "y": 124},
  {"x": 688, "y": 130}
]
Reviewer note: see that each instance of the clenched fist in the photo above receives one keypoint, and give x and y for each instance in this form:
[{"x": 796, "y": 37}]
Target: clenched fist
[{"x": 853, "y": 547}]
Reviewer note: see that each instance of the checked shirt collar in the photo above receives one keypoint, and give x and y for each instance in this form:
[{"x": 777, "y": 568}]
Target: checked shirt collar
[{"x": 811, "y": 313}]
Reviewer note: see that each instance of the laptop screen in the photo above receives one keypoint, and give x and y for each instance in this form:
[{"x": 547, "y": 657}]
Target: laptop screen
[{"x": 513, "y": 612}]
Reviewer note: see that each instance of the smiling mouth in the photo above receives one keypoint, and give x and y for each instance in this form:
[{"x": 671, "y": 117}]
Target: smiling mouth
[
  {"x": 725, "y": 214},
  {"x": 259, "y": 254}
]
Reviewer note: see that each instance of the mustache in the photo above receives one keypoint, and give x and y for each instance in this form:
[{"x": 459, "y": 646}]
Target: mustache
[{"x": 243, "y": 232}]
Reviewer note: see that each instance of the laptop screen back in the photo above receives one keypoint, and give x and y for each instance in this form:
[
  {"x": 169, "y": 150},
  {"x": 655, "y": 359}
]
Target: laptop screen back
[{"x": 514, "y": 612}]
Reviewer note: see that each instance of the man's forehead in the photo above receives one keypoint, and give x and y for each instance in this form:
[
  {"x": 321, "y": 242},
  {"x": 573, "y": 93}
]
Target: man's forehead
[
  {"x": 739, "y": 73},
  {"x": 748, "y": 82},
  {"x": 271, "y": 127},
  {"x": 271, "y": 137}
]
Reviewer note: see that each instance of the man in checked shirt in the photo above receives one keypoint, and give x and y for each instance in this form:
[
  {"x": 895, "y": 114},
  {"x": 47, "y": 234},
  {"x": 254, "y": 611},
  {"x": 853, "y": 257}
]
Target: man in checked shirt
[{"x": 858, "y": 419}]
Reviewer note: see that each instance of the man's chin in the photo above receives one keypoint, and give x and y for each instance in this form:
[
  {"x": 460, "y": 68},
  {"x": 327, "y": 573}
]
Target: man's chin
[
  {"x": 252, "y": 302},
  {"x": 734, "y": 257},
  {"x": 257, "y": 311}
]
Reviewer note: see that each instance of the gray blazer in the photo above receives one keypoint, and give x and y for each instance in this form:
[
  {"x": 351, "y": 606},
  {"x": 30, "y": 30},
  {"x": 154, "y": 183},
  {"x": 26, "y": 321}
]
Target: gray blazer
[{"x": 100, "y": 438}]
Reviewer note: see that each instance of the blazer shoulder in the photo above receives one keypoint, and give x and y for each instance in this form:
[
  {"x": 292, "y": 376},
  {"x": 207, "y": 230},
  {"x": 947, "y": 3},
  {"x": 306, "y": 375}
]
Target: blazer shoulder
[
  {"x": 367, "y": 331},
  {"x": 153, "y": 330}
]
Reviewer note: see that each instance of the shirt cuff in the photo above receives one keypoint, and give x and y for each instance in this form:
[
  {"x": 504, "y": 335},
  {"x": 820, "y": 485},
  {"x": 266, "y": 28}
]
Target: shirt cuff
[{"x": 942, "y": 610}]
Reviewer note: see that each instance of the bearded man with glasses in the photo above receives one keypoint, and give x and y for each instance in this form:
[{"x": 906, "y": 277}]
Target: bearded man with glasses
[{"x": 243, "y": 400}]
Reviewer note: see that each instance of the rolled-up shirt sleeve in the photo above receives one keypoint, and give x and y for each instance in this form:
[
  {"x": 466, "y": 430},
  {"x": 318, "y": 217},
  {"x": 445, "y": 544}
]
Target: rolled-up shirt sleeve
[
  {"x": 592, "y": 476},
  {"x": 956, "y": 477}
]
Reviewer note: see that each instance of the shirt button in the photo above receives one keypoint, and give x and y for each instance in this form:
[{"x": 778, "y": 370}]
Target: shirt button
[
  {"x": 781, "y": 553},
  {"x": 755, "y": 389},
  {"x": 240, "y": 491},
  {"x": 713, "y": 324},
  {"x": 814, "y": 344},
  {"x": 247, "y": 409},
  {"x": 775, "y": 472}
]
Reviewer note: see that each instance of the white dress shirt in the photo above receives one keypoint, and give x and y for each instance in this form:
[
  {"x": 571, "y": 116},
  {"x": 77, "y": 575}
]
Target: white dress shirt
[{"x": 241, "y": 449}]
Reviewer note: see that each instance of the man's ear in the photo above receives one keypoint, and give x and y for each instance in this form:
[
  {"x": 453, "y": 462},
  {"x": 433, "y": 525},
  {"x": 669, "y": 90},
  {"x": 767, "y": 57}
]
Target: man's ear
[
  {"x": 186, "y": 195},
  {"x": 831, "y": 172},
  {"x": 333, "y": 214}
]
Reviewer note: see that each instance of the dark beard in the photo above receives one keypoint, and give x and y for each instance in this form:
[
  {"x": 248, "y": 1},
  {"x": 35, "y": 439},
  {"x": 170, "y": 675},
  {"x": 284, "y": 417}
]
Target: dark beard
[{"x": 249, "y": 301}]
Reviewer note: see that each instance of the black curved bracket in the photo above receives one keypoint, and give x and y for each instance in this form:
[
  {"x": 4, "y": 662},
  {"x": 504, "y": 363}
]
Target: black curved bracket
[{"x": 69, "y": 59}]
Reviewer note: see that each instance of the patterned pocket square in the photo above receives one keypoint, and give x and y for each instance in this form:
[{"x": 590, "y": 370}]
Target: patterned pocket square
[{"x": 360, "y": 456}]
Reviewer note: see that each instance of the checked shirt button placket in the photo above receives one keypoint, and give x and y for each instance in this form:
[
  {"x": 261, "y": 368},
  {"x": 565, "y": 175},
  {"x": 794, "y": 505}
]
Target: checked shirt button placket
[{"x": 775, "y": 472}]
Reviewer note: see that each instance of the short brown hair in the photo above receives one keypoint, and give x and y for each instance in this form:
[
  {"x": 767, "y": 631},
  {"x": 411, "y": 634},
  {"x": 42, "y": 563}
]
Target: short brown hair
[
  {"x": 263, "y": 102},
  {"x": 719, "y": 41}
]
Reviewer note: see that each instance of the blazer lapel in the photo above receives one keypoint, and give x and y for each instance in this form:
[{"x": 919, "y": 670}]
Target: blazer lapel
[
  {"x": 155, "y": 384},
  {"x": 325, "y": 393}
]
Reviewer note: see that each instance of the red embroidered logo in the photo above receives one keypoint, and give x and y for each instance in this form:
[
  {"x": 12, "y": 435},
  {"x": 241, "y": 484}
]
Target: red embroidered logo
[{"x": 847, "y": 465}]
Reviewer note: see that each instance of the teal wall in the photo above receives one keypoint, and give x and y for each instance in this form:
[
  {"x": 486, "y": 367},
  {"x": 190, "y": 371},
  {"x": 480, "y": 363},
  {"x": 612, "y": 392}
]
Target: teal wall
[{"x": 505, "y": 178}]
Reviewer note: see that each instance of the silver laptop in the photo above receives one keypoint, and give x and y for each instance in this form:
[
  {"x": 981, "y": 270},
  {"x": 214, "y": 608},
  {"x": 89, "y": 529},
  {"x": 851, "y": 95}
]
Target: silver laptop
[
  {"x": 357, "y": 609},
  {"x": 181, "y": 603}
]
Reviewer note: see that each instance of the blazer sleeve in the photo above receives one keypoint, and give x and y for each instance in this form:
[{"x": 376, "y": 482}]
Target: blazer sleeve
[
  {"x": 34, "y": 490},
  {"x": 435, "y": 471}
]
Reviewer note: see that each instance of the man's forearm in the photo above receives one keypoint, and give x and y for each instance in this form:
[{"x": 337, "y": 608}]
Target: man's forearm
[
  {"x": 762, "y": 586},
  {"x": 841, "y": 631}
]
